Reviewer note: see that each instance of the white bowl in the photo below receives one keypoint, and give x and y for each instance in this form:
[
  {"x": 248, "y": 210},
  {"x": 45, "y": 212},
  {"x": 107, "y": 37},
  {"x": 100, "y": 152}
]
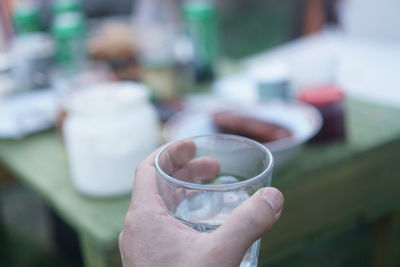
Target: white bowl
[{"x": 303, "y": 120}]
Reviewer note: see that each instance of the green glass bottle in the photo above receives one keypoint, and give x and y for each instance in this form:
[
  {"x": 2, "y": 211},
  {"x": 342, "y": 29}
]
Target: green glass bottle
[
  {"x": 26, "y": 19},
  {"x": 202, "y": 29},
  {"x": 69, "y": 32}
]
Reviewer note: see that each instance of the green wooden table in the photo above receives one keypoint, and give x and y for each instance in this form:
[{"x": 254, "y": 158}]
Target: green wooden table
[{"x": 327, "y": 189}]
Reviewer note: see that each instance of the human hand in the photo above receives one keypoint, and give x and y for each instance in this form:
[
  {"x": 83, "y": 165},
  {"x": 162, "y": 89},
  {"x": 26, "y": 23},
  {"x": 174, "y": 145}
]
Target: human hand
[{"x": 151, "y": 237}]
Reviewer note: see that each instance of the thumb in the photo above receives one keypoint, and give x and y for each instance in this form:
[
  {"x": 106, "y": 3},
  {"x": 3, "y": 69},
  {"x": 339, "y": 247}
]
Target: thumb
[{"x": 250, "y": 221}]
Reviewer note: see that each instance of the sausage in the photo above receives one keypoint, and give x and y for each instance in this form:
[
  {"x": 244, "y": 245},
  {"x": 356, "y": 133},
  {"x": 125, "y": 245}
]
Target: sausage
[{"x": 233, "y": 123}]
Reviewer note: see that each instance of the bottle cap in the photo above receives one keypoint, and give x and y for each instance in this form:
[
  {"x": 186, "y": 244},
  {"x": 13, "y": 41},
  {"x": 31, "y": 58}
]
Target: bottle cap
[
  {"x": 26, "y": 18},
  {"x": 199, "y": 9},
  {"x": 65, "y": 6},
  {"x": 68, "y": 25},
  {"x": 323, "y": 95}
]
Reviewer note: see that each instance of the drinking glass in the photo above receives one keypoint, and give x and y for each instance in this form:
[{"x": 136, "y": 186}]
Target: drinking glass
[{"x": 204, "y": 197}]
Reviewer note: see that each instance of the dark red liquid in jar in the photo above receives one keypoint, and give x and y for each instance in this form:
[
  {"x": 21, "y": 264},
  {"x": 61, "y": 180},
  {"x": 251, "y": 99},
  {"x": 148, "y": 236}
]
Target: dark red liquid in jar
[{"x": 328, "y": 99}]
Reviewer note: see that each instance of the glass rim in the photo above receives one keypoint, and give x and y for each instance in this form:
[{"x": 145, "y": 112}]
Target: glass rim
[{"x": 215, "y": 187}]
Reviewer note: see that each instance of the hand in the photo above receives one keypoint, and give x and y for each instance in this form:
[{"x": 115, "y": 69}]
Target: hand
[{"x": 152, "y": 238}]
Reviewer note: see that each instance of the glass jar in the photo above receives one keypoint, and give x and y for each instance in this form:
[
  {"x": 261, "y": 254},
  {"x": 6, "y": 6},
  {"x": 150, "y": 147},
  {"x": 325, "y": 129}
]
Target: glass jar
[
  {"x": 155, "y": 23},
  {"x": 109, "y": 130},
  {"x": 329, "y": 100}
]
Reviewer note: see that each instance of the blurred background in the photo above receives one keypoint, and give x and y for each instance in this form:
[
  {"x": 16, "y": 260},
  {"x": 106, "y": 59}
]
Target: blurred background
[{"x": 88, "y": 88}]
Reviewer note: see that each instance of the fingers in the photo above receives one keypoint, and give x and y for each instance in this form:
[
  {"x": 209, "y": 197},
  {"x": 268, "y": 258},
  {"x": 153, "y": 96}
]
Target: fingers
[
  {"x": 177, "y": 155},
  {"x": 145, "y": 187},
  {"x": 250, "y": 221},
  {"x": 198, "y": 170},
  {"x": 145, "y": 184}
]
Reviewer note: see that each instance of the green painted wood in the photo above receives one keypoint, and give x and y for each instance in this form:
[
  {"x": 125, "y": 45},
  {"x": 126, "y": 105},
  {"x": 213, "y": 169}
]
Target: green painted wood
[
  {"x": 386, "y": 237},
  {"x": 364, "y": 171},
  {"x": 392, "y": 240},
  {"x": 40, "y": 162},
  {"x": 365, "y": 188},
  {"x": 96, "y": 255},
  {"x": 339, "y": 184},
  {"x": 326, "y": 187},
  {"x": 347, "y": 248},
  {"x": 380, "y": 242}
]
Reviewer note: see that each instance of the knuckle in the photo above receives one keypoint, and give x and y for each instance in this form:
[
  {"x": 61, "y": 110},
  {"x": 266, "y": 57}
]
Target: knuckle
[
  {"x": 130, "y": 223},
  {"x": 139, "y": 167},
  {"x": 218, "y": 255},
  {"x": 257, "y": 221}
]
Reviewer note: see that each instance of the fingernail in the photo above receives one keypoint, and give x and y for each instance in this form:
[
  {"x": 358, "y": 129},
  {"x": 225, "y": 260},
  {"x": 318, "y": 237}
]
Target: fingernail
[{"x": 274, "y": 199}]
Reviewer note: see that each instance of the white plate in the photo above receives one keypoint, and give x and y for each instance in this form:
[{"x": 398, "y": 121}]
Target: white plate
[
  {"x": 26, "y": 113},
  {"x": 303, "y": 120}
]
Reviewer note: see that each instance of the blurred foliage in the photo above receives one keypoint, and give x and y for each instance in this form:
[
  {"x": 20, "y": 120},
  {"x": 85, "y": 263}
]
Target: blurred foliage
[{"x": 251, "y": 26}]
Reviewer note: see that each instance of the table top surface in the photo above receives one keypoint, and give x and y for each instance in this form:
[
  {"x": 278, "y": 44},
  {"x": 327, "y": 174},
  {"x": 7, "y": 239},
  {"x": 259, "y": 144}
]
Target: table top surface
[
  {"x": 359, "y": 66},
  {"x": 39, "y": 161}
]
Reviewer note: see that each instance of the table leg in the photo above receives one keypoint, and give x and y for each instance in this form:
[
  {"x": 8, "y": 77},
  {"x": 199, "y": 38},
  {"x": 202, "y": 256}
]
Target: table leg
[
  {"x": 393, "y": 237},
  {"x": 98, "y": 255},
  {"x": 6, "y": 178},
  {"x": 65, "y": 238},
  {"x": 386, "y": 251}
]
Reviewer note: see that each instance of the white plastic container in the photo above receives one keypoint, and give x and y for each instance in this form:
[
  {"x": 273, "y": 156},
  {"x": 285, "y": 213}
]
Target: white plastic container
[{"x": 109, "y": 130}]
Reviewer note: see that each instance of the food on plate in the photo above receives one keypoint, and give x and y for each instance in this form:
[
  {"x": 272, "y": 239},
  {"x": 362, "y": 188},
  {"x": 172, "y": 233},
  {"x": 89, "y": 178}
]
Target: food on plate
[{"x": 231, "y": 122}]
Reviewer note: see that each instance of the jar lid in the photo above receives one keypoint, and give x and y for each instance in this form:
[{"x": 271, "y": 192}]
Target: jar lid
[
  {"x": 107, "y": 98},
  {"x": 272, "y": 72},
  {"x": 236, "y": 88},
  {"x": 322, "y": 95}
]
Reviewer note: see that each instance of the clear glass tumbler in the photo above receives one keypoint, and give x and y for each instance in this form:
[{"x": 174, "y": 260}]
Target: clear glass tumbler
[{"x": 222, "y": 171}]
